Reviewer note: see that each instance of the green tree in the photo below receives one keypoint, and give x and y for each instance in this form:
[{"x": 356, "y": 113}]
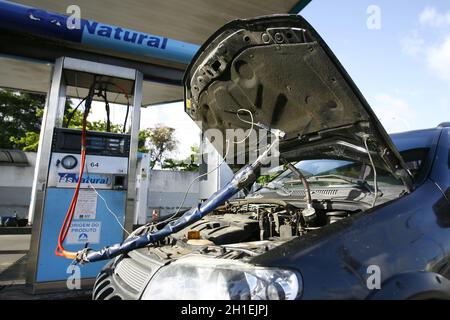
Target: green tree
[
  {"x": 188, "y": 164},
  {"x": 157, "y": 141},
  {"x": 76, "y": 122},
  {"x": 20, "y": 114}
]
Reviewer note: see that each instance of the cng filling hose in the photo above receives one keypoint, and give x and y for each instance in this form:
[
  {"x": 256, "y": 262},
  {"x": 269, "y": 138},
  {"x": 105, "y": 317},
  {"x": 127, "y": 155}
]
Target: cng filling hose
[
  {"x": 243, "y": 178},
  {"x": 65, "y": 227}
]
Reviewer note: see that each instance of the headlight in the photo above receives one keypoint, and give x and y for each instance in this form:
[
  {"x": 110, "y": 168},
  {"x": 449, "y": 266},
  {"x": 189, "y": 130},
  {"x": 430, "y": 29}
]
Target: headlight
[{"x": 216, "y": 279}]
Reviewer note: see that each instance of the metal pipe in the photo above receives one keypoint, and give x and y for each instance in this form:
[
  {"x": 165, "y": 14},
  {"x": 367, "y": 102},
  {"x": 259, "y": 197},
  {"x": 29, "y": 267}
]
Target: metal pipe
[{"x": 301, "y": 177}]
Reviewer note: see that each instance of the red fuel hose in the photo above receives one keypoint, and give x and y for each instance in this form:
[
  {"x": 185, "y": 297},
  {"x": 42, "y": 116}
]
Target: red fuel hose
[{"x": 60, "y": 251}]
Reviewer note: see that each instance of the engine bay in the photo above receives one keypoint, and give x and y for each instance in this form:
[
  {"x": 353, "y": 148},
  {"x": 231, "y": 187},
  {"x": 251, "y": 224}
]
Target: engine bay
[{"x": 244, "y": 220}]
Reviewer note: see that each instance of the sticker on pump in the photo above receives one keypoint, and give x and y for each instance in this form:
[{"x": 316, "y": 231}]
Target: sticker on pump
[
  {"x": 82, "y": 232},
  {"x": 86, "y": 205}
]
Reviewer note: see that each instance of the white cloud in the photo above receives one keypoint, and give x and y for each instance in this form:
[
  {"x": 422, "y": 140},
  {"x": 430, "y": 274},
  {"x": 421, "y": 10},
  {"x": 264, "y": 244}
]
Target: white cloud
[
  {"x": 438, "y": 59},
  {"x": 433, "y": 18},
  {"x": 435, "y": 54},
  {"x": 413, "y": 44},
  {"x": 395, "y": 114}
]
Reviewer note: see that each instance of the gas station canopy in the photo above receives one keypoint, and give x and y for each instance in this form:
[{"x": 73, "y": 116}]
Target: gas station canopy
[{"x": 188, "y": 21}]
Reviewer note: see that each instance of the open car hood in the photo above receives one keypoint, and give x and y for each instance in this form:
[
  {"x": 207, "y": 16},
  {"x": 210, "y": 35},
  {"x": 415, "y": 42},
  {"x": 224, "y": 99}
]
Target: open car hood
[{"x": 281, "y": 70}]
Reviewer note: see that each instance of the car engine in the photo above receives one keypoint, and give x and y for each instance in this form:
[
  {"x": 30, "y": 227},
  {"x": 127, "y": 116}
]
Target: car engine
[{"x": 252, "y": 220}]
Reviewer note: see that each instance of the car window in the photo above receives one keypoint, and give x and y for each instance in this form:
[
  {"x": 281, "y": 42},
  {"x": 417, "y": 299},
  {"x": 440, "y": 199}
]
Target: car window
[
  {"x": 339, "y": 167},
  {"x": 414, "y": 159}
]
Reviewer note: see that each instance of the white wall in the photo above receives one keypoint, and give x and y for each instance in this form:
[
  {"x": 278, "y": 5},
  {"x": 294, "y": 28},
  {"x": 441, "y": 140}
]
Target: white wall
[
  {"x": 15, "y": 187},
  {"x": 166, "y": 191},
  {"x": 16, "y": 176}
]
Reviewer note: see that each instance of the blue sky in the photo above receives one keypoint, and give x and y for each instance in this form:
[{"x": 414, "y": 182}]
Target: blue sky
[{"x": 402, "y": 68}]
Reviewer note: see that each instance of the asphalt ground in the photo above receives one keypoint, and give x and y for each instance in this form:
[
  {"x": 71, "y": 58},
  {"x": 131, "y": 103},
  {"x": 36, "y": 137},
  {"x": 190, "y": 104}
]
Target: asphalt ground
[
  {"x": 13, "y": 251},
  {"x": 13, "y": 265}
]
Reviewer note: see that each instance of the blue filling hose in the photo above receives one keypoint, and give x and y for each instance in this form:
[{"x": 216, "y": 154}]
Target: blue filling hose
[{"x": 242, "y": 178}]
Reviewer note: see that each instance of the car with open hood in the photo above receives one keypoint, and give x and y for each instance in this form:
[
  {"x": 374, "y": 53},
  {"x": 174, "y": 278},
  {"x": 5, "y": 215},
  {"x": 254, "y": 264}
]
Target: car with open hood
[{"x": 351, "y": 212}]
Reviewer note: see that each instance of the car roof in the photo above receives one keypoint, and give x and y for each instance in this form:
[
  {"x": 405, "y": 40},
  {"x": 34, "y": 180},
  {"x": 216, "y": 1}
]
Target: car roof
[{"x": 415, "y": 139}]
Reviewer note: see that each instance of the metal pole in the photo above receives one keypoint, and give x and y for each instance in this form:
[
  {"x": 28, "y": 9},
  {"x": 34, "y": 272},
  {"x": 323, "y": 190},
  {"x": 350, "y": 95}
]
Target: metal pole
[
  {"x": 51, "y": 118},
  {"x": 132, "y": 162},
  {"x": 140, "y": 216}
]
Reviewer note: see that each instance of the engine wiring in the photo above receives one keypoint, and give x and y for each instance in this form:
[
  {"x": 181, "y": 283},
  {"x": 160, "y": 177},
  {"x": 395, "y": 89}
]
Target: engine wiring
[{"x": 304, "y": 181}]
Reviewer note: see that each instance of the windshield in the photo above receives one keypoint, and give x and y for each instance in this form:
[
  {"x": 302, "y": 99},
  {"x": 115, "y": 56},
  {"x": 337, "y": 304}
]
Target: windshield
[
  {"x": 325, "y": 172},
  {"x": 338, "y": 172}
]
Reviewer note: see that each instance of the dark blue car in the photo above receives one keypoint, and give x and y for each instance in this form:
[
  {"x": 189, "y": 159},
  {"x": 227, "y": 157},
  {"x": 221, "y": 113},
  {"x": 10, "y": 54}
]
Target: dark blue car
[{"x": 353, "y": 213}]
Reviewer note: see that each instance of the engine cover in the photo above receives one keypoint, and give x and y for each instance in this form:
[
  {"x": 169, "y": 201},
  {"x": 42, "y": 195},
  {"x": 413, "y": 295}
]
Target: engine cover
[{"x": 223, "y": 229}]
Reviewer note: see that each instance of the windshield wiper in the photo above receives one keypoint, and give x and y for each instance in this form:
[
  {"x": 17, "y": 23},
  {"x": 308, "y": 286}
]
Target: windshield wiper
[{"x": 272, "y": 185}]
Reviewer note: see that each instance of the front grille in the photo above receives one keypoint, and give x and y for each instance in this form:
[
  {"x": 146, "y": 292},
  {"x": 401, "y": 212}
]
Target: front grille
[
  {"x": 103, "y": 289},
  {"x": 124, "y": 279},
  {"x": 133, "y": 274}
]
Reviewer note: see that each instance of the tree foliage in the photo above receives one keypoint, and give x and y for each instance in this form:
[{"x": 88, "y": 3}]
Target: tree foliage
[
  {"x": 191, "y": 163},
  {"x": 158, "y": 142},
  {"x": 20, "y": 123},
  {"x": 20, "y": 115},
  {"x": 76, "y": 122}
]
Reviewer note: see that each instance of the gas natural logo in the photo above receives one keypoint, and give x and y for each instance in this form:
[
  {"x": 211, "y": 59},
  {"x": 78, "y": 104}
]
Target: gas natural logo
[
  {"x": 74, "y": 177},
  {"x": 117, "y": 33}
]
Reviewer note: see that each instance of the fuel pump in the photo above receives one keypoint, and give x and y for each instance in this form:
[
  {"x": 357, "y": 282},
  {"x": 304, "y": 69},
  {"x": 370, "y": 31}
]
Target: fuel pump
[{"x": 84, "y": 188}]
